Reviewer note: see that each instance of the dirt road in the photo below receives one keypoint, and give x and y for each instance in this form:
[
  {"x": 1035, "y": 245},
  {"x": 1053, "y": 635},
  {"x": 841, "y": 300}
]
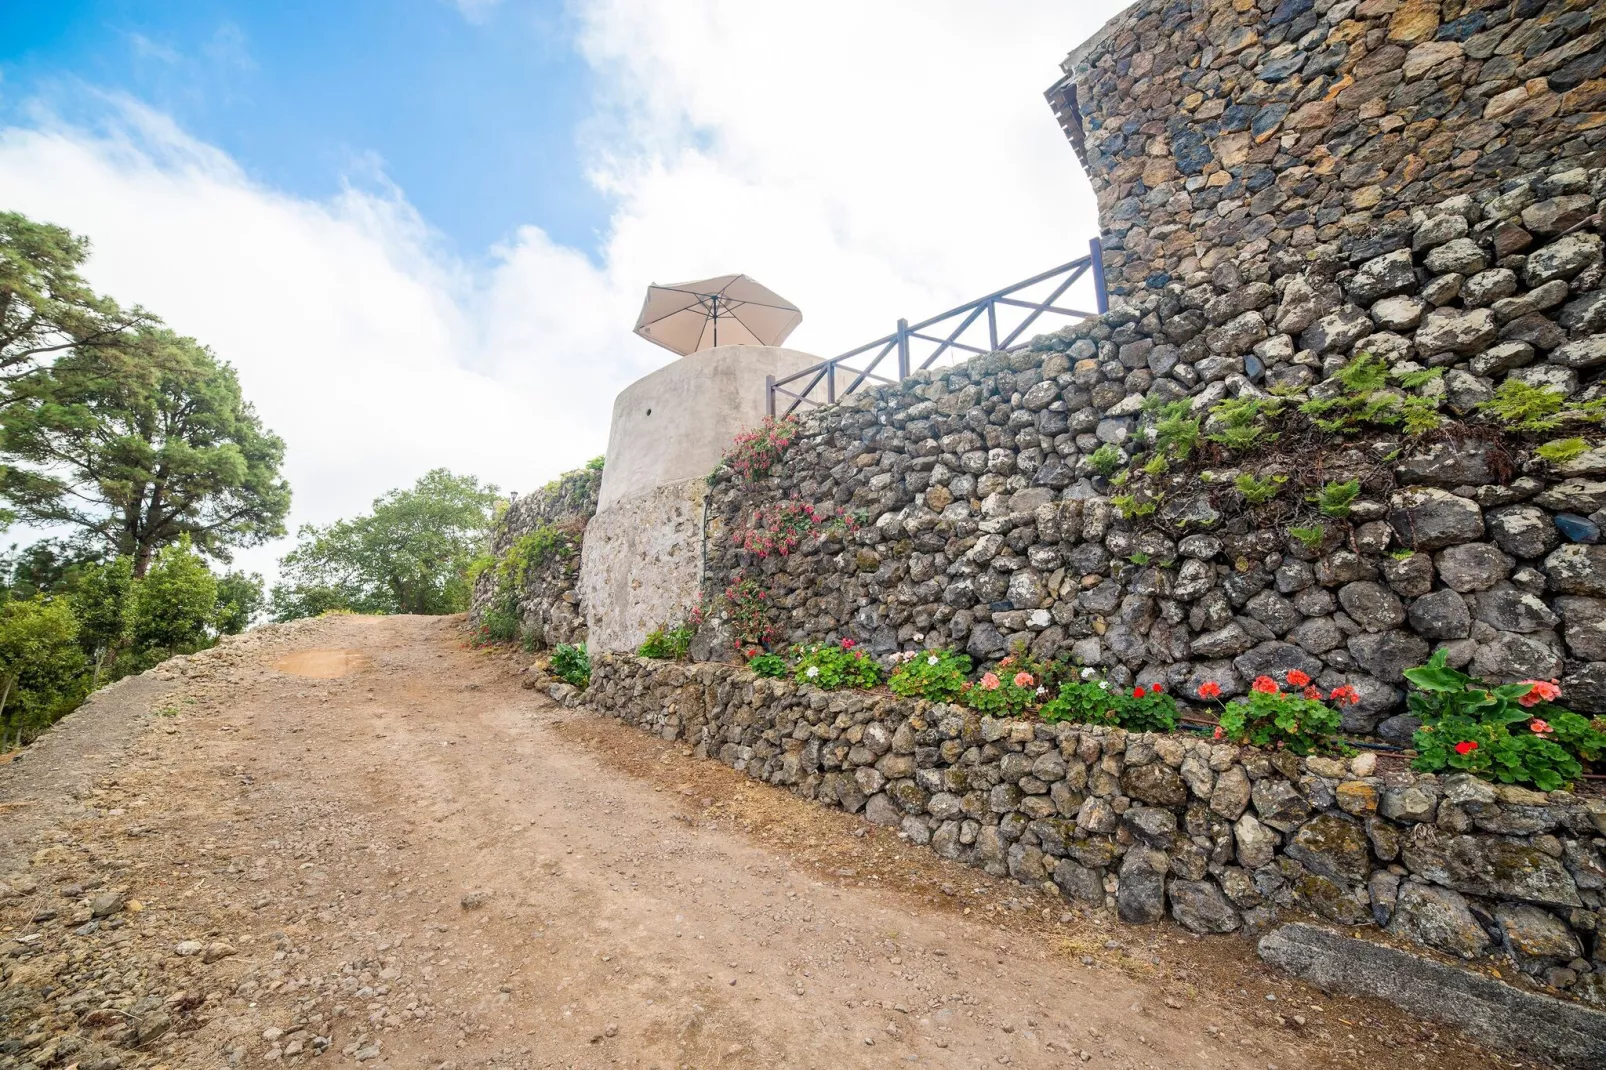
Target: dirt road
[{"x": 353, "y": 840}]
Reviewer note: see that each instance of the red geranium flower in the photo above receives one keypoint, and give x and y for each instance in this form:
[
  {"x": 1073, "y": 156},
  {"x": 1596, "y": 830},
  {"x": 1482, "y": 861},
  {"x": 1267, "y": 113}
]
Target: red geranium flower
[
  {"x": 1265, "y": 685},
  {"x": 1297, "y": 678},
  {"x": 1024, "y": 679},
  {"x": 1157, "y": 689},
  {"x": 848, "y": 644},
  {"x": 1219, "y": 733},
  {"x": 1312, "y": 692},
  {"x": 989, "y": 682},
  {"x": 1540, "y": 691},
  {"x": 1539, "y": 725},
  {"x": 1209, "y": 689},
  {"x": 1137, "y": 692},
  {"x": 1465, "y": 747},
  {"x": 1345, "y": 694}
]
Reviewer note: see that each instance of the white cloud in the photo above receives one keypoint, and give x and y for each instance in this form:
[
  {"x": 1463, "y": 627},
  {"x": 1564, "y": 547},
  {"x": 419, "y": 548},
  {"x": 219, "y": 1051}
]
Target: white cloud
[{"x": 866, "y": 161}]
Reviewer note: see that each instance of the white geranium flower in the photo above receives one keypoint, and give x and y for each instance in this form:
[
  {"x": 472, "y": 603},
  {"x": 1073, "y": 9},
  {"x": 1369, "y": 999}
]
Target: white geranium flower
[
  {"x": 931, "y": 659},
  {"x": 1087, "y": 673},
  {"x": 1105, "y": 684},
  {"x": 814, "y": 670},
  {"x": 1042, "y": 690}
]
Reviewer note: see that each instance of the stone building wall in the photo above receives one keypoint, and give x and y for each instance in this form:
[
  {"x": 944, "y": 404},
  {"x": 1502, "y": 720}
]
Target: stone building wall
[
  {"x": 1220, "y": 837},
  {"x": 1216, "y": 130},
  {"x": 984, "y": 522},
  {"x": 548, "y": 603}
]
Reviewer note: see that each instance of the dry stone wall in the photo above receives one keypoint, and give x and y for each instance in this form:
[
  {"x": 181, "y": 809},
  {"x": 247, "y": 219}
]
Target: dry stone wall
[
  {"x": 1219, "y": 837},
  {"x": 1219, "y": 129},
  {"x": 985, "y": 522},
  {"x": 547, "y": 603}
]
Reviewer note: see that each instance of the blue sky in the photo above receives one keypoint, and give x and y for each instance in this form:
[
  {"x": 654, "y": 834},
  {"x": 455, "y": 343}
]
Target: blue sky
[
  {"x": 422, "y": 229},
  {"x": 476, "y": 119}
]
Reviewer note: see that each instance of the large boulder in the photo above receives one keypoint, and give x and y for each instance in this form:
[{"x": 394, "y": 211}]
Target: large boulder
[
  {"x": 1439, "y": 918},
  {"x": 1428, "y": 518}
]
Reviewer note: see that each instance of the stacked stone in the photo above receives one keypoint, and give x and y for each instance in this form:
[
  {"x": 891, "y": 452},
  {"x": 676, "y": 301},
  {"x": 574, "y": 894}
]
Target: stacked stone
[
  {"x": 1226, "y": 129},
  {"x": 985, "y": 526},
  {"x": 1221, "y": 837},
  {"x": 548, "y": 604}
]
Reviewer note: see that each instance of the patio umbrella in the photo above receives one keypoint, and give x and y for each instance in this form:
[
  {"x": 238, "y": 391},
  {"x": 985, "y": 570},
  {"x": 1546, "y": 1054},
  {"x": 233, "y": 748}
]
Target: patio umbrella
[{"x": 726, "y": 310}]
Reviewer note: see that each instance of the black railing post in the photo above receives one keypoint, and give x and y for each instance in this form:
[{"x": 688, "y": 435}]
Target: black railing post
[
  {"x": 992, "y": 326},
  {"x": 830, "y": 384},
  {"x": 903, "y": 350},
  {"x": 1101, "y": 295},
  {"x": 769, "y": 396}
]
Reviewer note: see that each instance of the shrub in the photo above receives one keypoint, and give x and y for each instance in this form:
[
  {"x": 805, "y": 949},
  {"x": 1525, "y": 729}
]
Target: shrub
[
  {"x": 1001, "y": 694},
  {"x": 747, "y": 610},
  {"x": 934, "y": 675},
  {"x": 41, "y": 665},
  {"x": 755, "y": 452},
  {"x": 171, "y": 609},
  {"x": 1513, "y": 733},
  {"x": 665, "y": 643},
  {"x": 1300, "y": 721},
  {"x": 1524, "y": 407},
  {"x": 830, "y": 667},
  {"x": 1093, "y": 701},
  {"x": 572, "y": 664},
  {"x": 764, "y": 663}
]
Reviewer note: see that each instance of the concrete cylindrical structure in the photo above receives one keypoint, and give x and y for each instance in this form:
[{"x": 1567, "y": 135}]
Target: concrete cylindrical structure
[{"x": 641, "y": 562}]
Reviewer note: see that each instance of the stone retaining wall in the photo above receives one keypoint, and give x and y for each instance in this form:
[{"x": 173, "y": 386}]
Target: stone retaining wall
[
  {"x": 985, "y": 522},
  {"x": 1215, "y": 129},
  {"x": 548, "y": 603},
  {"x": 1221, "y": 838}
]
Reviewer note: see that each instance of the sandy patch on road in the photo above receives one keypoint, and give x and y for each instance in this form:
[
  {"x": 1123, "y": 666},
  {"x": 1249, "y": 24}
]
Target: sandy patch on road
[{"x": 323, "y": 664}]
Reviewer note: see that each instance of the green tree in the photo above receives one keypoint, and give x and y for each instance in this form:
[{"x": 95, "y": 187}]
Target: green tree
[
  {"x": 41, "y": 665},
  {"x": 46, "y": 308},
  {"x": 239, "y": 602},
  {"x": 172, "y": 607},
  {"x": 142, "y": 446},
  {"x": 101, "y": 602},
  {"x": 410, "y": 555}
]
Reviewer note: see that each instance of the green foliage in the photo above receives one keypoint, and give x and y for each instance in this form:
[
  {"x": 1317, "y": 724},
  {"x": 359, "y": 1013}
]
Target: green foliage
[
  {"x": 41, "y": 665},
  {"x": 1176, "y": 433},
  {"x": 1311, "y": 537},
  {"x": 934, "y": 675},
  {"x": 572, "y": 665},
  {"x": 1510, "y": 732},
  {"x": 1241, "y": 422},
  {"x": 173, "y": 606},
  {"x": 1138, "y": 558},
  {"x": 1271, "y": 717},
  {"x": 46, "y": 308},
  {"x": 410, "y": 555},
  {"x": 1368, "y": 399},
  {"x": 1105, "y": 460},
  {"x": 1561, "y": 450},
  {"x": 832, "y": 666},
  {"x": 1257, "y": 491},
  {"x": 240, "y": 601},
  {"x": 1334, "y": 498},
  {"x": 595, "y": 464},
  {"x": 668, "y": 643},
  {"x": 101, "y": 603},
  {"x": 139, "y": 444},
  {"x": 766, "y": 664},
  {"x": 1131, "y": 506},
  {"x": 1523, "y": 407}
]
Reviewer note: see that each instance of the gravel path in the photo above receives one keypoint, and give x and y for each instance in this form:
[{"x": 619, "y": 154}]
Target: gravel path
[{"x": 353, "y": 840}]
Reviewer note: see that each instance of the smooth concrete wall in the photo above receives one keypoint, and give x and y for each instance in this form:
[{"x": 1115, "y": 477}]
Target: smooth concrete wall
[
  {"x": 641, "y": 561},
  {"x": 677, "y": 422}
]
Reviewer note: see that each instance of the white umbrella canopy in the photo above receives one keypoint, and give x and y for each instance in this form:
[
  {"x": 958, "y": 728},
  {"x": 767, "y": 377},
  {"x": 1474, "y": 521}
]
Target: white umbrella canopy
[{"x": 727, "y": 310}]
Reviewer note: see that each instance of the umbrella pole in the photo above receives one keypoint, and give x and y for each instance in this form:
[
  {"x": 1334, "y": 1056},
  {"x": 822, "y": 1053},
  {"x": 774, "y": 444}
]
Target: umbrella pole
[{"x": 716, "y": 319}]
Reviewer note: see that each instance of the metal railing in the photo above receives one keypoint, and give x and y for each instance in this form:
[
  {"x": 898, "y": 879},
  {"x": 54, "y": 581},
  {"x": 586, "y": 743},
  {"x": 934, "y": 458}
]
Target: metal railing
[{"x": 823, "y": 378}]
